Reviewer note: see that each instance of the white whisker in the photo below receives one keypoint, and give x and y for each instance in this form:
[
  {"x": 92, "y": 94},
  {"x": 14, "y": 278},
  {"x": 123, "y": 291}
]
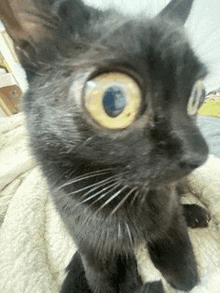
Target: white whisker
[
  {"x": 85, "y": 176},
  {"x": 111, "y": 198},
  {"x": 97, "y": 184},
  {"x": 97, "y": 187},
  {"x": 135, "y": 197},
  {"x": 143, "y": 199},
  {"x": 129, "y": 233},
  {"x": 119, "y": 231},
  {"x": 103, "y": 195},
  {"x": 97, "y": 193},
  {"x": 114, "y": 185},
  {"x": 122, "y": 201}
]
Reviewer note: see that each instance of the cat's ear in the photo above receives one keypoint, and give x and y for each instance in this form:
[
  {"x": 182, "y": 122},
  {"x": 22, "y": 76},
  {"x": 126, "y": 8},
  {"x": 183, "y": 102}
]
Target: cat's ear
[
  {"x": 20, "y": 20},
  {"x": 40, "y": 28},
  {"x": 177, "y": 10},
  {"x": 32, "y": 19}
]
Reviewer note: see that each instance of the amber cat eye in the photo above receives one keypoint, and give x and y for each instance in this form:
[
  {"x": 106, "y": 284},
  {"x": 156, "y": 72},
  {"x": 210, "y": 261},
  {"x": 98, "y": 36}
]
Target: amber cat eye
[{"x": 113, "y": 100}]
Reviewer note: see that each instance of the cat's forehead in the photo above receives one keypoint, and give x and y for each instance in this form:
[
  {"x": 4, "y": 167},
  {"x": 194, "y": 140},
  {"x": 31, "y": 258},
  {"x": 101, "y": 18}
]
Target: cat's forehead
[
  {"x": 71, "y": 33},
  {"x": 158, "y": 45},
  {"x": 134, "y": 32}
]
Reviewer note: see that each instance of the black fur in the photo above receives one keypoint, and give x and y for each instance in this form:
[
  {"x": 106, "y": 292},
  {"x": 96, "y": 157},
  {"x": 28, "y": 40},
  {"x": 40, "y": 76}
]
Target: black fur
[
  {"x": 69, "y": 44},
  {"x": 129, "y": 279}
]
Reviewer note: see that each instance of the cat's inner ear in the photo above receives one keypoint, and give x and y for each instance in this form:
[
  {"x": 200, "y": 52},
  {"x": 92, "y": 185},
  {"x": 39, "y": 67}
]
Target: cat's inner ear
[
  {"x": 41, "y": 28},
  {"x": 177, "y": 10},
  {"x": 31, "y": 20},
  {"x": 21, "y": 20}
]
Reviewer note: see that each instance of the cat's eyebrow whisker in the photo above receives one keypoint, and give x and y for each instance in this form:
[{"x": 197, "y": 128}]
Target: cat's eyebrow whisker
[
  {"x": 122, "y": 201},
  {"x": 112, "y": 198}
]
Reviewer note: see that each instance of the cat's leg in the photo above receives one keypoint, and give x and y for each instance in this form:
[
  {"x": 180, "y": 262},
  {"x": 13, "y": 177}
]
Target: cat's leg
[
  {"x": 173, "y": 255},
  {"x": 75, "y": 281},
  {"x": 130, "y": 281},
  {"x": 101, "y": 273},
  {"x": 195, "y": 216},
  {"x": 128, "y": 278},
  {"x": 80, "y": 279}
]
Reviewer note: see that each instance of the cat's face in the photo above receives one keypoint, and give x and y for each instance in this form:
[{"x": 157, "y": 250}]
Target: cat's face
[{"x": 111, "y": 92}]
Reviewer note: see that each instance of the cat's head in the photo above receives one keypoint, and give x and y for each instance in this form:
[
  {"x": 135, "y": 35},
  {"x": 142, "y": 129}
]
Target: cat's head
[{"x": 109, "y": 91}]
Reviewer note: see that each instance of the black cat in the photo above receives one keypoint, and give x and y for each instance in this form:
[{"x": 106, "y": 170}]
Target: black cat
[{"x": 110, "y": 113}]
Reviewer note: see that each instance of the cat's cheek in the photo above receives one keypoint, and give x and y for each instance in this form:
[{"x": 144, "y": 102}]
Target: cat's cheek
[{"x": 77, "y": 87}]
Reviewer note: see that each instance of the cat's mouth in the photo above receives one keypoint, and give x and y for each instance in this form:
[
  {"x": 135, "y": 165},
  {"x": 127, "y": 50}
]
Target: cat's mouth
[
  {"x": 153, "y": 184},
  {"x": 154, "y": 178}
]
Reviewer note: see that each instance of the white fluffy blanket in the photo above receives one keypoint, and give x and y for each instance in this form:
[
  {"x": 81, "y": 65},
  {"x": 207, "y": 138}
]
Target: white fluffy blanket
[{"x": 35, "y": 247}]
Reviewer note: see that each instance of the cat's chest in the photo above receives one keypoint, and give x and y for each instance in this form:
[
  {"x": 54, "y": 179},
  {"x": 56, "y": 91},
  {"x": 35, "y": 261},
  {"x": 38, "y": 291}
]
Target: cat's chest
[{"x": 124, "y": 230}]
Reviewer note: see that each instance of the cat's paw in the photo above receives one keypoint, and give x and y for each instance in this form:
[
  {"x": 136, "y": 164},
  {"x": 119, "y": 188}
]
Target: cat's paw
[
  {"x": 75, "y": 281},
  {"x": 172, "y": 254},
  {"x": 177, "y": 265},
  {"x": 195, "y": 216}
]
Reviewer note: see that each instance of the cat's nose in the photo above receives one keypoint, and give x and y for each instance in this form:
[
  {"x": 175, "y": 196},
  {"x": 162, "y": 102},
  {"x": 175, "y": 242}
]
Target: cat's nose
[
  {"x": 192, "y": 145},
  {"x": 192, "y": 161},
  {"x": 195, "y": 152}
]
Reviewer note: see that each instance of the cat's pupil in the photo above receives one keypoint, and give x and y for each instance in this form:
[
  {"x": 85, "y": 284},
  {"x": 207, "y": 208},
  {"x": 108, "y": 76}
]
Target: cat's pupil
[{"x": 114, "y": 101}]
